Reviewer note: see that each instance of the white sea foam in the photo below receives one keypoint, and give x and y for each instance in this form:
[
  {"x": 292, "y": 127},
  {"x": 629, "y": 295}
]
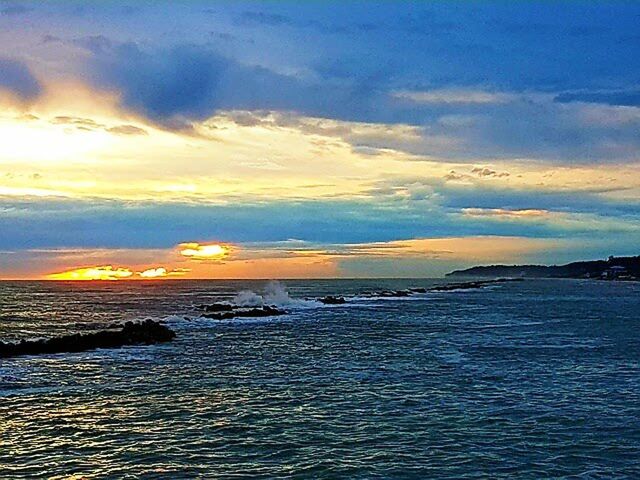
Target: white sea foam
[{"x": 275, "y": 293}]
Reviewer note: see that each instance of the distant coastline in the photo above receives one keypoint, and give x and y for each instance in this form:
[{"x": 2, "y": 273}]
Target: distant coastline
[{"x": 613, "y": 268}]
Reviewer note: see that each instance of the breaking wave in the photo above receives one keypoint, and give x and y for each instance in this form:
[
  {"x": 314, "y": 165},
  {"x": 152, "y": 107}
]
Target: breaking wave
[{"x": 275, "y": 293}]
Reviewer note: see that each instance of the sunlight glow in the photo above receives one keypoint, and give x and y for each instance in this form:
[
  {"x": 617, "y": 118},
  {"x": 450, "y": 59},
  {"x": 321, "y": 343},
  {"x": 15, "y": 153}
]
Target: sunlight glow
[
  {"x": 48, "y": 143},
  {"x": 204, "y": 252},
  {"x": 154, "y": 273},
  {"x": 106, "y": 272}
]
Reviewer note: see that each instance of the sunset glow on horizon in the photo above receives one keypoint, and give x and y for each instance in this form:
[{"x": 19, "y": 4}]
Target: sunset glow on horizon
[
  {"x": 204, "y": 252},
  {"x": 106, "y": 272}
]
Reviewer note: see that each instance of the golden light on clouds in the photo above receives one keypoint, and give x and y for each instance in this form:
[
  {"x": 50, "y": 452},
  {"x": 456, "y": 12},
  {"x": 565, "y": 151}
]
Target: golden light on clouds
[
  {"x": 197, "y": 251},
  {"x": 505, "y": 213},
  {"x": 154, "y": 273},
  {"x": 162, "y": 272},
  {"x": 78, "y": 143},
  {"x": 106, "y": 272},
  {"x": 306, "y": 260},
  {"x": 109, "y": 272}
]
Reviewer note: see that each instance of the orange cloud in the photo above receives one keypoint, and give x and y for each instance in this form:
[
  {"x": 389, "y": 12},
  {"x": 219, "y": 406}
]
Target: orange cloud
[
  {"x": 418, "y": 256},
  {"x": 109, "y": 272},
  {"x": 161, "y": 272},
  {"x": 106, "y": 272},
  {"x": 505, "y": 213},
  {"x": 154, "y": 273}
]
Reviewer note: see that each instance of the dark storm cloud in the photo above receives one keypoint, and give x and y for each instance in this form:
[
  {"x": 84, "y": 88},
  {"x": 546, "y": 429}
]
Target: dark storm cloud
[
  {"x": 194, "y": 81},
  {"x": 16, "y": 77},
  {"x": 345, "y": 60}
]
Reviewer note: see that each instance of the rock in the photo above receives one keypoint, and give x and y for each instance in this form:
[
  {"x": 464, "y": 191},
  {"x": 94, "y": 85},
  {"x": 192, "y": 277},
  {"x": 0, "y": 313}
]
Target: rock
[
  {"x": 456, "y": 286},
  {"x": 470, "y": 285},
  {"x": 394, "y": 293},
  {"x": 147, "y": 332},
  {"x": 418, "y": 290},
  {"x": 331, "y": 300},
  {"x": 235, "y": 312},
  {"x": 217, "y": 307}
]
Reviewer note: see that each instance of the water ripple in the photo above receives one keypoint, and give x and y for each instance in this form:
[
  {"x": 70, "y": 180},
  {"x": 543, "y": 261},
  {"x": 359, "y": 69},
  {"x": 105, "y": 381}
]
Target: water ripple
[{"x": 473, "y": 385}]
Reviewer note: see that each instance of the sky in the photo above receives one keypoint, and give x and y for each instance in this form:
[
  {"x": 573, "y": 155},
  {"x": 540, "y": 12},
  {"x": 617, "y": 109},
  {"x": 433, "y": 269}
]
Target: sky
[{"x": 281, "y": 139}]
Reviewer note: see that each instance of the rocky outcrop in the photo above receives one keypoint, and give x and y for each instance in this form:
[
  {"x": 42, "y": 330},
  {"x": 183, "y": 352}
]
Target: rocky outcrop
[
  {"x": 446, "y": 287},
  {"x": 418, "y": 290},
  {"x": 331, "y": 300},
  {"x": 217, "y": 307},
  {"x": 471, "y": 285},
  {"x": 245, "y": 312},
  {"x": 147, "y": 332}
]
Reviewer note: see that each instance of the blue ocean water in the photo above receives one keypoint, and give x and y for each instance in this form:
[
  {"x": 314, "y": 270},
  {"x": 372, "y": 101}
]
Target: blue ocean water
[{"x": 532, "y": 379}]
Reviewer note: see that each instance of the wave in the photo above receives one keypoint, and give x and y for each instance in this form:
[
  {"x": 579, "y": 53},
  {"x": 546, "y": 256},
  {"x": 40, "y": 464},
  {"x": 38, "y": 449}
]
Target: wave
[
  {"x": 275, "y": 293},
  {"x": 275, "y": 300}
]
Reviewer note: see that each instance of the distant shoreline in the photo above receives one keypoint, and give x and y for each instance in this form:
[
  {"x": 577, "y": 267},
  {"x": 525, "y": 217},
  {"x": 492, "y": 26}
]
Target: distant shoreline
[{"x": 614, "y": 268}]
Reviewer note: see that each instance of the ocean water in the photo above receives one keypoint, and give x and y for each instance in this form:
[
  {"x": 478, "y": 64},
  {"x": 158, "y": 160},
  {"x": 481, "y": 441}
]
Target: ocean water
[{"x": 533, "y": 379}]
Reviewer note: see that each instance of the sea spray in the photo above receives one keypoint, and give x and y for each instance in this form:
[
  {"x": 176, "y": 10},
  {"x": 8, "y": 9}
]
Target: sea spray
[
  {"x": 275, "y": 293},
  {"x": 247, "y": 298}
]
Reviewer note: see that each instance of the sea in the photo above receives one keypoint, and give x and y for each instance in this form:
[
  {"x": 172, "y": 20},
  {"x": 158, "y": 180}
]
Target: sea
[{"x": 530, "y": 379}]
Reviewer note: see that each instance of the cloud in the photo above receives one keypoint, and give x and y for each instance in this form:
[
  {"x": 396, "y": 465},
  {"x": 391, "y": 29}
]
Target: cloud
[
  {"x": 90, "y": 124},
  {"x": 197, "y": 251},
  {"x": 453, "y": 96},
  {"x": 77, "y": 121},
  {"x": 181, "y": 81},
  {"x": 261, "y": 18},
  {"x": 487, "y": 172},
  {"x": 178, "y": 84},
  {"x": 505, "y": 213},
  {"x": 127, "y": 130},
  {"x": 96, "y": 44},
  {"x": 106, "y": 272},
  {"x": 620, "y": 97},
  {"x": 162, "y": 272},
  {"x": 16, "y": 77},
  {"x": 291, "y": 258},
  {"x": 111, "y": 273}
]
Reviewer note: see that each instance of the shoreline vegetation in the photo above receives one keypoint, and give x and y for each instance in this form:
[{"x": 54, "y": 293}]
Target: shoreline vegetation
[{"x": 613, "y": 268}]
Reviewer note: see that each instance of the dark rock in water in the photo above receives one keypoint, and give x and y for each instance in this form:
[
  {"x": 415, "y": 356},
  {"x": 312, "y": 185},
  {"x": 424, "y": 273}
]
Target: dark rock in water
[
  {"x": 395, "y": 293},
  {"x": 456, "y": 286},
  {"x": 331, "y": 300},
  {"x": 418, "y": 290},
  {"x": 147, "y": 332},
  {"x": 470, "y": 285},
  {"x": 235, "y": 312},
  {"x": 217, "y": 307}
]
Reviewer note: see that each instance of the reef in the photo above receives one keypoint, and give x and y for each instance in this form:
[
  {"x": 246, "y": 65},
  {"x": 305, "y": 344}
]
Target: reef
[
  {"x": 438, "y": 288},
  {"x": 471, "y": 285},
  {"x": 148, "y": 332},
  {"x": 332, "y": 300},
  {"x": 217, "y": 307},
  {"x": 244, "y": 312}
]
